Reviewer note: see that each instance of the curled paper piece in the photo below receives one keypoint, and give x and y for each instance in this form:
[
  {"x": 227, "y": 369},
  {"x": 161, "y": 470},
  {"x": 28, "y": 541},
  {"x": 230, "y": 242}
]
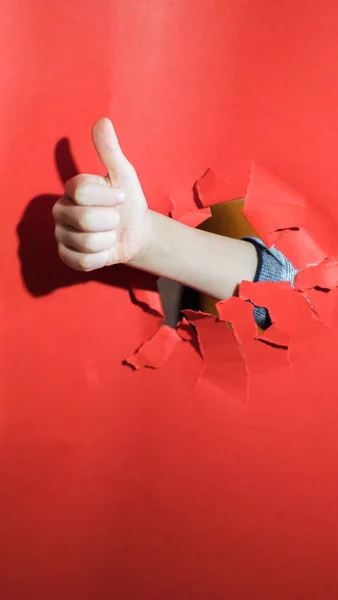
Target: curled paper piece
[
  {"x": 290, "y": 310},
  {"x": 240, "y": 314},
  {"x": 261, "y": 353},
  {"x": 223, "y": 371},
  {"x": 212, "y": 190},
  {"x": 275, "y": 337},
  {"x": 323, "y": 275},
  {"x": 155, "y": 352},
  {"x": 185, "y": 330},
  {"x": 282, "y": 217},
  {"x": 271, "y": 206},
  {"x": 192, "y": 217},
  {"x": 324, "y": 305}
]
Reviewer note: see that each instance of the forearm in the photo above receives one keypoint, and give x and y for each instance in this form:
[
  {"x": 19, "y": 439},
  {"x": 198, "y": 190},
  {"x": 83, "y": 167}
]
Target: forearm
[{"x": 209, "y": 263}]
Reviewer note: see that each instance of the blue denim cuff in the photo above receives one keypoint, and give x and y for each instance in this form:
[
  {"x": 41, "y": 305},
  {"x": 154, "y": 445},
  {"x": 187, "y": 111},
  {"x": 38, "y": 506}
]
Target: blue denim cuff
[{"x": 272, "y": 266}]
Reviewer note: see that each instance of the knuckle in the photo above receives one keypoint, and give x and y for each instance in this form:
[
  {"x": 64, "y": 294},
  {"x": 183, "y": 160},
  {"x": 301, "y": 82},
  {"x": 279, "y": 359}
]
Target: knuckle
[
  {"x": 61, "y": 253},
  {"x": 83, "y": 263},
  {"x": 69, "y": 187},
  {"x": 85, "y": 219},
  {"x": 88, "y": 243},
  {"x": 57, "y": 231},
  {"x": 72, "y": 181},
  {"x": 80, "y": 193},
  {"x": 55, "y": 210},
  {"x": 77, "y": 195},
  {"x": 77, "y": 188}
]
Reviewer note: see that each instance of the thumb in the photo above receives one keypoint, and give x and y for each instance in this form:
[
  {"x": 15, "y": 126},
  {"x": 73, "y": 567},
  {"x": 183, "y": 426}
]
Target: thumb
[{"x": 108, "y": 148}]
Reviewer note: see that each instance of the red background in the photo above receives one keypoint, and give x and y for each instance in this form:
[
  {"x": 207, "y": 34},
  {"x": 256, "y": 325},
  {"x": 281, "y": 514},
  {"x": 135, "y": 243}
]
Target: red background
[{"x": 117, "y": 484}]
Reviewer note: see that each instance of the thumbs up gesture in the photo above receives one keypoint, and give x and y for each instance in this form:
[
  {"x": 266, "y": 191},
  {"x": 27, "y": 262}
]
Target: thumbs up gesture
[{"x": 102, "y": 221}]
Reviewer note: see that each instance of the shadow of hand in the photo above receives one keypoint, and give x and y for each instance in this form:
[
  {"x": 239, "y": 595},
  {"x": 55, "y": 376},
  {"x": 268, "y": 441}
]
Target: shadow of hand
[{"x": 41, "y": 268}]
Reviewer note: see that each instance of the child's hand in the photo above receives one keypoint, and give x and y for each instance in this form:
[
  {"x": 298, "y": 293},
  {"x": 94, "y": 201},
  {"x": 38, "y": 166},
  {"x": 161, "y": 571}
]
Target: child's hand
[{"x": 102, "y": 221}]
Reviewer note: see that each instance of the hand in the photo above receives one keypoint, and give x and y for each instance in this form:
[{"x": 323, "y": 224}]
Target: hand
[{"x": 102, "y": 221}]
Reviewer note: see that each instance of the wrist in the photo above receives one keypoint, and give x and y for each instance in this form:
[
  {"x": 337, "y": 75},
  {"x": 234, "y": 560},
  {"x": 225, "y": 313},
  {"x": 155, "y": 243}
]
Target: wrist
[
  {"x": 141, "y": 258},
  {"x": 206, "y": 262}
]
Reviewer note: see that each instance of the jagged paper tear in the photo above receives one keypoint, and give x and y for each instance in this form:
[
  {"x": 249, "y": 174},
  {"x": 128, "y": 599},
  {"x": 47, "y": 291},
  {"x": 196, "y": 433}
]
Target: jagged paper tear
[
  {"x": 305, "y": 234},
  {"x": 156, "y": 351},
  {"x": 232, "y": 348}
]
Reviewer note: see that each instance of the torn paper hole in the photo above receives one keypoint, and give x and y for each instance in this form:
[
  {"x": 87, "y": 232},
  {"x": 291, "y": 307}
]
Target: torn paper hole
[{"x": 283, "y": 218}]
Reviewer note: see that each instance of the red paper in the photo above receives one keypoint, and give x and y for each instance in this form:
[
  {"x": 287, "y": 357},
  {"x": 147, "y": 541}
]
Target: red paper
[
  {"x": 150, "y": 299},
  {"x": 214, "y": 190},
  {"x": 287, "y": 307},
  {"x": 324, "y": 275},
  {"x": 271, "y": 205},
  {"x": 123, "y": 484},
  {"x": 190, "y": 214},
  {"x": 305, "y": 234},
  {"x": 240, "y": 314},
  {"x": 219, "y": 349},
  {"x": 156, "y": 351},
  {"x": 275, "y": 336},
  {"x": 259, "y": 358},
  {"x": 185, "y": 330},
  {"x": 324, "y": 305}
]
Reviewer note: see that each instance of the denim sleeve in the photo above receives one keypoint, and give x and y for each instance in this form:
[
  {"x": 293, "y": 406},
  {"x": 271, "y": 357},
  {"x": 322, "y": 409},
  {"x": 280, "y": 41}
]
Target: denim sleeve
[{"x": 272, "y": 266}]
